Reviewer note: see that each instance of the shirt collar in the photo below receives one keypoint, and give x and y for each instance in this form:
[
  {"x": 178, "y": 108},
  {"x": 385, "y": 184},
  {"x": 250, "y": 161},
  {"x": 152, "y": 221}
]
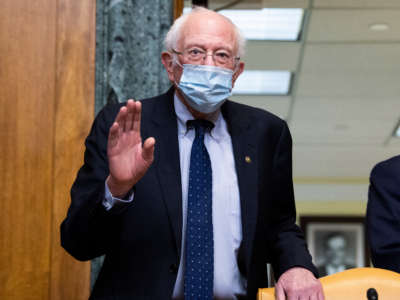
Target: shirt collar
[{"x": 184, "y": 115}]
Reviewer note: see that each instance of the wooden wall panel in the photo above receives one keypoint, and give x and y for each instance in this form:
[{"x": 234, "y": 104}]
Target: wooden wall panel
[
  {"x": 46, "y": 108},
  {"x": 27, "y": 90},
  {"x": 70, "y": 279}
]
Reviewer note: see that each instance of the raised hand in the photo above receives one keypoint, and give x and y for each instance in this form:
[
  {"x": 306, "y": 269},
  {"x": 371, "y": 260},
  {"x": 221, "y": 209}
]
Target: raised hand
[{"x": 128, "y": 159}]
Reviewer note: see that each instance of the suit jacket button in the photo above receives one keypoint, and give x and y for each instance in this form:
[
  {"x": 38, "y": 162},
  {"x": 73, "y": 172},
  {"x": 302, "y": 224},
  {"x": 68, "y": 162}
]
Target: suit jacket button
[{"x": 173, "y": 268}]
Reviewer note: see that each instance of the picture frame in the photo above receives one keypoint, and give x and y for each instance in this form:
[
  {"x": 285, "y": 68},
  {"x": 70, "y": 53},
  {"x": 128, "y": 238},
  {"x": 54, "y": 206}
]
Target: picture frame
[{"x": 336, "y": 243}]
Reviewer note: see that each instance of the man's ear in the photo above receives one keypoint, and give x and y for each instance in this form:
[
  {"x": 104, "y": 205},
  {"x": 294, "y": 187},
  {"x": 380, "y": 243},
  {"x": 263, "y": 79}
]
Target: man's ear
[
  {"x": 239, "y": 71},
  {"x": 167, "y": 61}
]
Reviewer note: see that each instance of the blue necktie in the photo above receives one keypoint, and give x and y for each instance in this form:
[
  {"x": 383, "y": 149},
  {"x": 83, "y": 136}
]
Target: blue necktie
[{"x": 199, "y": 259}]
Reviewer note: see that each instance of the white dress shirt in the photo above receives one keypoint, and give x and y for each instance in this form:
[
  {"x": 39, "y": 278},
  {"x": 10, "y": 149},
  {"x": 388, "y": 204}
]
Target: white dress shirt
[{"x": 227, "y": 224}]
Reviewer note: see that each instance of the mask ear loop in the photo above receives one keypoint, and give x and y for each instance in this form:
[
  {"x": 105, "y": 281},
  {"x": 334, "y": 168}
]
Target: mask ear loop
[
  {"x": 175, "y": 59},
  {"x": 235, "y": 70},
  {"x": 237, "y": 60}
]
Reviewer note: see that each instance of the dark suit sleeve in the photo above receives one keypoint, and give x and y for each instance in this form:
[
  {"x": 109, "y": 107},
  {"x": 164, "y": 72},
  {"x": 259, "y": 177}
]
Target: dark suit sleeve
[
  {"x": 383, "y": 215},
  {"x": 88, "y": 227},
  {"x": 288, "y": 245}
]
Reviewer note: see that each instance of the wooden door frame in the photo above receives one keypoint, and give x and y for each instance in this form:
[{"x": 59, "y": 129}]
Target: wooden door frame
[{"x": 178, "y": 8}]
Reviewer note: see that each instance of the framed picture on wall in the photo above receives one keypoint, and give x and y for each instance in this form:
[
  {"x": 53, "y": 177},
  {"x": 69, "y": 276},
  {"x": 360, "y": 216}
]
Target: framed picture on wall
[{"x": 336, "y": 243}]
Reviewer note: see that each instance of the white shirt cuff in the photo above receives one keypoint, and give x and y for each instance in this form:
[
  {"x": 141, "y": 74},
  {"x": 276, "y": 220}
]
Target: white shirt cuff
[{"x": 110, "y": 201}]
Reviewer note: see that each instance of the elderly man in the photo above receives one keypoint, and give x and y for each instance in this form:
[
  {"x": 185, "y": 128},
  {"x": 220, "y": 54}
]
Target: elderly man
[{"x": 187, "y": 194}]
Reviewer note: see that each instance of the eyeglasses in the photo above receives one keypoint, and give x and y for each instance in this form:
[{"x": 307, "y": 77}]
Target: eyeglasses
[{"x": 196, "y": 55}]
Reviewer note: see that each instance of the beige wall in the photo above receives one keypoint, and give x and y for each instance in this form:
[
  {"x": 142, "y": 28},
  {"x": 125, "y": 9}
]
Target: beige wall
[{"x": 345, "y": 208}]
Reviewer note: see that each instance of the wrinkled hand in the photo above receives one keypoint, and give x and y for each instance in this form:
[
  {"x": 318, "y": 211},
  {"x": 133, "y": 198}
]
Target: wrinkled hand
[
  {"x": 128, "y": 159},
  {"x": 298, "y": 284}
]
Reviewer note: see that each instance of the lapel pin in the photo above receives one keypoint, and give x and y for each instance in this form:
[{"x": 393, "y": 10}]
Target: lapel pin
[{"x": 247, "y": 159}]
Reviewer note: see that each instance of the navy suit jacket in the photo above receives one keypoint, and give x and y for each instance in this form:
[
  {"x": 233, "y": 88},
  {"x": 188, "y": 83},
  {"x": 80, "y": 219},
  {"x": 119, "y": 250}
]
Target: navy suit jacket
[
  {"x": 142, "y": 241},
  {"x": 383, "y": 214}
]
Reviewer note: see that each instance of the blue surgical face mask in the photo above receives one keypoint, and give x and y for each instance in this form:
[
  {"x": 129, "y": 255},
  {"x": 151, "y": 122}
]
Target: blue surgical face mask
[{"x": 205, "y": 87}]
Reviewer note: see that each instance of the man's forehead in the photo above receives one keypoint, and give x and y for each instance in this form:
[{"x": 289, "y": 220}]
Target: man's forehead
[
  {"x": 337, "y": 240},
  {"x": 208, "y": 42}
]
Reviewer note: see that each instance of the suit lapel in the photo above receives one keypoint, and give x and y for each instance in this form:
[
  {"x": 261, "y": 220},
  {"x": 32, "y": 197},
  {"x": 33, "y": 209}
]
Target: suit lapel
[
  {"x": 168, "y": 162},
  {"x": 244, "y": 150}
]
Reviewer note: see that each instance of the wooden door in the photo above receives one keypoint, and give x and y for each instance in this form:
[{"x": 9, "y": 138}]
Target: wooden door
[{"x": 46, "y": 107}]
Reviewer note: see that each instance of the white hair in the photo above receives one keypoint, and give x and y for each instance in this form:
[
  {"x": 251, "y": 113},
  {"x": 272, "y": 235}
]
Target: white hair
[{"x": 173, "y": 35}]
